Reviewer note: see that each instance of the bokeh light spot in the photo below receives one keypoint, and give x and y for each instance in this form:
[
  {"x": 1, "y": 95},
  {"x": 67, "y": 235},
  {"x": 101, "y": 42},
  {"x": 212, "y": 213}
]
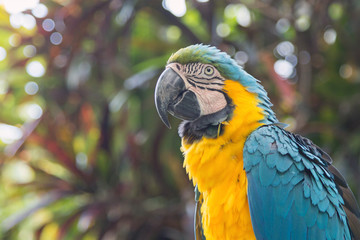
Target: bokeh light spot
[
  {"x": 16, "y": 20},
  {"x": 285, "y": 48},
  {"x": 292, "y": 59},
  {"x": 56, "y": 38},
  {"x": 15, "y": 39},
  {"x": 241, "y": 57},
  {"x": 335, "y": 11},
  {"x": 33, "y": 111},
  {"x": 176, "y": 7},
  {"x": 230, "y": 11},
  {"x": 346, "y": 71},
  {"x": 124, "y": 15},
  {"x": 19, "y": 19},
  {"x": 173, "y": 33},
  {"x": 302, "y": 23},
  {"x": 283, "y": 68},
  {"x": 40, "y": 11},
  {"x": 31, "y": 88},
  {"x": 48, "y": 25},
  {"x": 282, "y": 25},
  {"x": 16, "y": 6},
  {"x": 19, "y": 172},
  {"x": 240, "y": 12},
  {"x": 28, "y": 21},
  {"x": 2, "y": 53},
  {"x": 223, "y": 30},
  {"x": 9, "y": 133},
  {"x": 243, "y": 16},
  {"x": 29, "y": 51},
  {"x": 330, "y": 36},
  {"x": 35, "y": 69}
]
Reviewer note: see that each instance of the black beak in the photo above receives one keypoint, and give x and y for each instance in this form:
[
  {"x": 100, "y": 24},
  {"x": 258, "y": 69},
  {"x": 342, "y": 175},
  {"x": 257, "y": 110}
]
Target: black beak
[{"x": 172, "y": 96}]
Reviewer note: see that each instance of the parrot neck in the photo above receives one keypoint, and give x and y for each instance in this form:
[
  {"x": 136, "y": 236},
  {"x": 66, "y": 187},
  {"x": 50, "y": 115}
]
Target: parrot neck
[{"x": 215, "y": 165}]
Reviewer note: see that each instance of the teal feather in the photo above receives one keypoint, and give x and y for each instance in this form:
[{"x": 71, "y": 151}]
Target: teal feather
[
  {"x": 285, "y": 164},
  {"x": 267, "y": 174},
  {"x": 296, "y": 179},
  {"x": 283, "y": 209},
  {"x": 301, "y": 196},
  {"x": 302, "y": 204},
  {"x": 311, "y": 216},
  {"x": 324, "y": 204},
  {"x": 288, "y": 176}
]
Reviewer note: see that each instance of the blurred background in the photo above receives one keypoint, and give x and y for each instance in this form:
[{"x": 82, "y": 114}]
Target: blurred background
[{"x": 83, "y": 154}]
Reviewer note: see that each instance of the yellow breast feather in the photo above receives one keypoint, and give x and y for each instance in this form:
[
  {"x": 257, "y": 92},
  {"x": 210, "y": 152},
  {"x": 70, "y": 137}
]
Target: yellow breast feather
[{"x": 216, "y": 166}]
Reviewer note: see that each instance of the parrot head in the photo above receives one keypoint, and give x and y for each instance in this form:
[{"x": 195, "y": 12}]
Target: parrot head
[{"x": 193, "y": 88}]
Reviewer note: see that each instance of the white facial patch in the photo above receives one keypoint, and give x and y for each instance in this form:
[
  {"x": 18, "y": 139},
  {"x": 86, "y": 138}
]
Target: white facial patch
[
  {"x": 209, "y": 101},
  {"x": 206, "y": 82}
]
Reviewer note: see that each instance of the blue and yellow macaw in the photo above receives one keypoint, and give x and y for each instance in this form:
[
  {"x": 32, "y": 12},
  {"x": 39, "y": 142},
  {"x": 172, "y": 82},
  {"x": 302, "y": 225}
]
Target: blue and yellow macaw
[{"x": 253, "y": 179}]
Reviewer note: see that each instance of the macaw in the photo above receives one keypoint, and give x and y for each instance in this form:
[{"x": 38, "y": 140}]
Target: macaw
[{"x": 253, "y": 179}]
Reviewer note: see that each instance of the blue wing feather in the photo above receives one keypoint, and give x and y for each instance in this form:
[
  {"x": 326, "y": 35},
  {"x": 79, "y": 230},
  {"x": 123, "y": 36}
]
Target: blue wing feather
[{"x": 291, "y": 193}]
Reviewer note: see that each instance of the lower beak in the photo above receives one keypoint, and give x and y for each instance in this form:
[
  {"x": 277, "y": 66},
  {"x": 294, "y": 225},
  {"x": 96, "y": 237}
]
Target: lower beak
[{"x": 172, "y": 96}]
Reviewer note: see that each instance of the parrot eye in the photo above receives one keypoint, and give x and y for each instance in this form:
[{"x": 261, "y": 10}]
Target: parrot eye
[{"x": 209, "y": 71}]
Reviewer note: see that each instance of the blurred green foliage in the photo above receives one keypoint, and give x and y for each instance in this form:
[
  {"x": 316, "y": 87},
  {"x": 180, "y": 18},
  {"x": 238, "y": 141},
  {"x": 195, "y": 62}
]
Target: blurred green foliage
[{"x": 83, "y": 154}]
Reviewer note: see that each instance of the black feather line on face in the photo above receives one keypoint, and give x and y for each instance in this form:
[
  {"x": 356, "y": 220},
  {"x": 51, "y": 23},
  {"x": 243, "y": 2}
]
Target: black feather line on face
[
  {"x": 195, "y": 84},
  {"x": 207, "y": 78},
  {"x": 197, "y": 67},
  {"x": 202, "y": 67},
  {"x": 191, "y": 67}
]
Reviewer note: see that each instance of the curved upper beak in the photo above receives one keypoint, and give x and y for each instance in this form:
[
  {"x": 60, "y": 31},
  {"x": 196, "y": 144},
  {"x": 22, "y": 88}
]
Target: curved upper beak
[{"x": 172, "y": 96}]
